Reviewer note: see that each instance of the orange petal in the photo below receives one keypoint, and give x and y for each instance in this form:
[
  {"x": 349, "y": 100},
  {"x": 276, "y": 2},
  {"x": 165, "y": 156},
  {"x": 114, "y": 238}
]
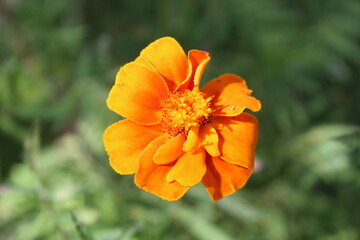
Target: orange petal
[
  {"x": 138, "y": 93},
  {"x": 166, "y": 56},
  {"x": 125, "y": 141},
  {"x": 197, "y": 62},
  {"x": 231, "y": 95},
  {"x": 192, "y": 139},
  {"x": 152, "y": 177},
  {"x": 210, "y": 140},
  {"x": 189, "y": 168},
  {"x": 237, "y": 138},
  {"x": 222, "y": 179},
  {"x": 170, "y": 151}
]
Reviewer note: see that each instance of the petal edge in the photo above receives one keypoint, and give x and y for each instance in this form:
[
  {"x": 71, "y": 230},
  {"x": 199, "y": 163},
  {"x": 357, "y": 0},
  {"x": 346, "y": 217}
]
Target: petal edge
[
  {"x": 167, "y": 57},
  {"x": 237, "y": 138},
  {"x": 124, "y": 142},
  {"x": 137, "y": 94},
  {"x": 222, "y": 179},
  {"x": 152, "y": 178},
  {"x": 230, "y": 95}
]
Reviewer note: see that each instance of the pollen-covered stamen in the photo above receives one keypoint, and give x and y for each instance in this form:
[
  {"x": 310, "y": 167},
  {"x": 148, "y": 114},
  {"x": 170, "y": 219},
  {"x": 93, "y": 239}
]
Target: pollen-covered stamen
[{"x": 183, "y": 110}]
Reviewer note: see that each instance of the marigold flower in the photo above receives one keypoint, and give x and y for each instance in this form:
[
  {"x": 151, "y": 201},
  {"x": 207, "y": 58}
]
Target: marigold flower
[{"x": 175, "y": 134}]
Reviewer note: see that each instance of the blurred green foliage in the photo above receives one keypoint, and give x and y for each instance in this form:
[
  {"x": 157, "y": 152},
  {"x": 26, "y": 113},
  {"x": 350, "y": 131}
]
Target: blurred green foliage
[{"x": 58, "y": 61}]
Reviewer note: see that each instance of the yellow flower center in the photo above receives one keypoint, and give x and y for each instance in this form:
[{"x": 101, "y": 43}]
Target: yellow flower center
[{"x": 183, "y": 110}]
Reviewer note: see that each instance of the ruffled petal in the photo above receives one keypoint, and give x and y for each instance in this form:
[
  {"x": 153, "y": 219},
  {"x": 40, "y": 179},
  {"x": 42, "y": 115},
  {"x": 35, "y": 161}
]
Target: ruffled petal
[
  {"x": 222, "y": 179},
  {"x": 210, "y": 140},
  {"x": 125, "y": 141},
  {"x": 138, "y": 93},
  {"x": 237, "y": 138},
  {"x": 230, "y": 95},
  {"x": 167, "y": 57},
  {"x": 189, "y": 168},
  {"x": 152, "y": 177},
  {"x": 197, "y": 62},
  {"x": 170, "y": 151}
]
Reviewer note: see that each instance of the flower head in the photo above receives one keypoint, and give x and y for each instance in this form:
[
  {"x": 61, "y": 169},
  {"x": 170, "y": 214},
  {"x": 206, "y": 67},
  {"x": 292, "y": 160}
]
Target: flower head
[{"x": 176, "y": 134}]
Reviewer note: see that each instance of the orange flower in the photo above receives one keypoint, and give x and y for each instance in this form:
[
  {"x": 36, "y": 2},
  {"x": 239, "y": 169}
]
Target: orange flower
[{"x": 175, "y": 134}]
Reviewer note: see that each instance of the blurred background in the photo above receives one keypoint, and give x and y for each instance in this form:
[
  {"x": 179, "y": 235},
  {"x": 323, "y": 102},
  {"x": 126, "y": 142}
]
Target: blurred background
[{"x": 58, "y": 61}]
